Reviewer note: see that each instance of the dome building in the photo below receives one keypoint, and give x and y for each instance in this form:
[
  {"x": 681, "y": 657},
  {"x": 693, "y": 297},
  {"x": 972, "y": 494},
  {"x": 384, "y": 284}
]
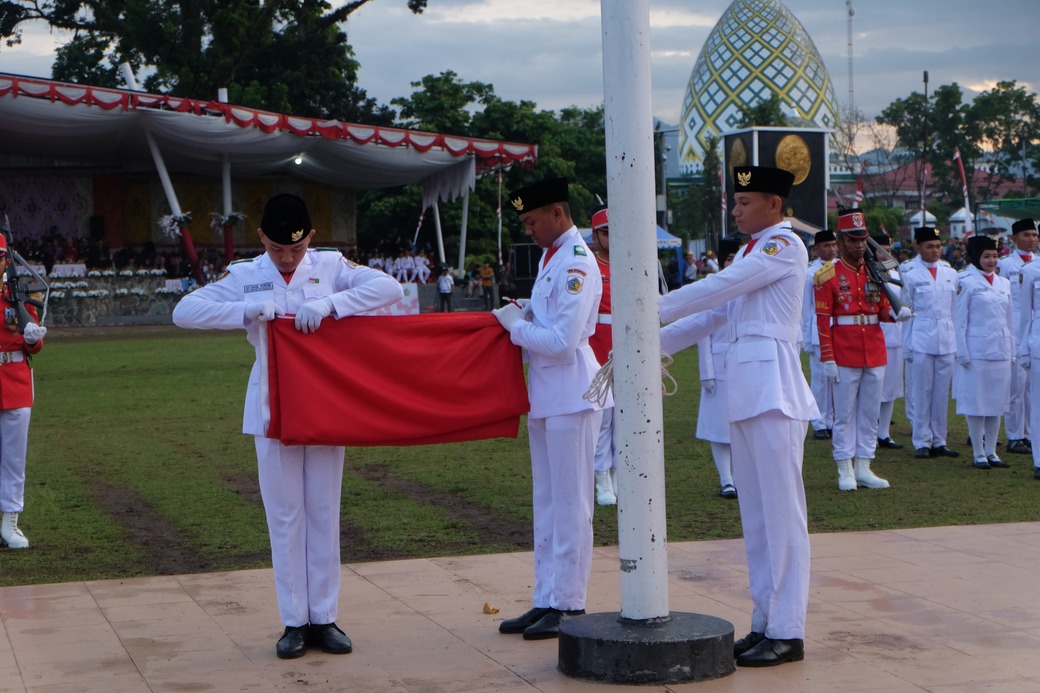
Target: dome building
[{"x": 758, "y": 48}]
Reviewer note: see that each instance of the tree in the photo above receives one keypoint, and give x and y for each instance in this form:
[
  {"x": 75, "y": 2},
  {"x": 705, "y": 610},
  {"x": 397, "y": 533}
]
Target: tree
[
  {"x": 766, "y": 113},
  {"x": 1007, "y": 120},
  {"x": 281, "y": 55}
]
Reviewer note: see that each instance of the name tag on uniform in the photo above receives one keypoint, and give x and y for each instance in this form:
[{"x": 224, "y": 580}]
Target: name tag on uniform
[{"x": 253, "y": 288}]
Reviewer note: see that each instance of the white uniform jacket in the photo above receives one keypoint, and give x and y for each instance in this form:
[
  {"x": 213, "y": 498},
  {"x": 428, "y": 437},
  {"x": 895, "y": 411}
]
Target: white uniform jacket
[
  {"x": 930, "y": 331},
  {"x": 1010, "y": 268},
  {"x": 562, "y": 316},
  {"x": 1027, "y": 332},
  {"x": 810, "y": 332},
  {"x": 764, "y": 289},
  {"x": 983, "y": 318},
  {"x": 221, "y": 305}
]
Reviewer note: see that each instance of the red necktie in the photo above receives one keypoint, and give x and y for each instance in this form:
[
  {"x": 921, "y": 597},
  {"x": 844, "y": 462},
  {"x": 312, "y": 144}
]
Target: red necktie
[
  {"x": 749, "y": 246},
  {"x": 989, "y": 278},
  {"x": 932, "y": 270},
  {"x": 548, "y": 255},
  {"x": 1027, "y": 257}
]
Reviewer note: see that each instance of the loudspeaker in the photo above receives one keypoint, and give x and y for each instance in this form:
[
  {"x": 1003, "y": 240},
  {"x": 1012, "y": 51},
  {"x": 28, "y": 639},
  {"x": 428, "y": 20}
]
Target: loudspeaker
[{"x": 97, "y": 228}]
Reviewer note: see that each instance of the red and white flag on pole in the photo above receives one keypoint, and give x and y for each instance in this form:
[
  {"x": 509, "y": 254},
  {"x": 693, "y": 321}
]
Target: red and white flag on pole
[
  {"x": 394, "y": 380},
  {"x": 722, "y": 195},
  {"x": 858, "y": 199},
  {"x": 969, "y": 225}
]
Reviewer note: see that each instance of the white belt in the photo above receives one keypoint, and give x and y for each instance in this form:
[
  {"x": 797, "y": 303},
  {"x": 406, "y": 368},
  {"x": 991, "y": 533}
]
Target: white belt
[
  {"x": 604, "y": 319},
  {"x": 11, "y": 357},
  {"x": 855, "y": 320}
]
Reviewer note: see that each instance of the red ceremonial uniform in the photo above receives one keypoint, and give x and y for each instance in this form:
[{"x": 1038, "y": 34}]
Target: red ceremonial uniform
[
  {"x": 848, "y": 309},
  {"x": 16, "y": 381},
  {"x": 602, "y": 340}
]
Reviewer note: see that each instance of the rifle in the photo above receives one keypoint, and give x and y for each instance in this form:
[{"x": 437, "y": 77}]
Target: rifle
[
  {"x": 20, "y": 289},
  {"x": 879, "y": 262}
]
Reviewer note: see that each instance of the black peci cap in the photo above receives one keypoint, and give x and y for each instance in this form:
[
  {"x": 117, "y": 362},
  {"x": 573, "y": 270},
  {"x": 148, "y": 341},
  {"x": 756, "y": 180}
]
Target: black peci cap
[
  {"x": 285, "y": 219},
  {"x": 544, "y": 192},
  {"x": 763, "y": 179},
  {"x": 926, "y": 233}
]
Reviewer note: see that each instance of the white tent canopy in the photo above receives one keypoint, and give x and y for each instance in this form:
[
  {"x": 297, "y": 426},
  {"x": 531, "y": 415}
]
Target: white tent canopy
[{"x": 75, "y": 125}]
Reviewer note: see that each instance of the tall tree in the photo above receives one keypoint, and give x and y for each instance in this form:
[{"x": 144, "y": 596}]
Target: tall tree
[
  {"x": 282, "y": 55},
  {"x": 764, "y": 113}
]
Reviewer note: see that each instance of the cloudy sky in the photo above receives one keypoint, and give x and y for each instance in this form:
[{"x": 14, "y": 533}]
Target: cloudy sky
[{"x": 548, "y": 51}]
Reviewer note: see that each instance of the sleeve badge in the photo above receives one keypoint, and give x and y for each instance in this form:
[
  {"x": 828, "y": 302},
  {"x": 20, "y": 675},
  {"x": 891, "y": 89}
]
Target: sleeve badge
[
  {"x": 574, "y": 285},
  {"x": 772, "y": 248}
]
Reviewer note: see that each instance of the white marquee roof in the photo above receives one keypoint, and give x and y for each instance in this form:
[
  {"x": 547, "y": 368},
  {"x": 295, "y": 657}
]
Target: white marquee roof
[{"x": 98, "y": 127}]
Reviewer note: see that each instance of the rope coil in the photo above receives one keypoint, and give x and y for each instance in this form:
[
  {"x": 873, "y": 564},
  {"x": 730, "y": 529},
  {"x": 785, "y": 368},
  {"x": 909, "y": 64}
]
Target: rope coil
[{"x": 603, "y": 381}]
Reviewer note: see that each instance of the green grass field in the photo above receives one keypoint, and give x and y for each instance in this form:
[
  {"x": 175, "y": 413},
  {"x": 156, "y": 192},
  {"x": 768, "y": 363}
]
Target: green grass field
[{"x": 137, "y": 467}]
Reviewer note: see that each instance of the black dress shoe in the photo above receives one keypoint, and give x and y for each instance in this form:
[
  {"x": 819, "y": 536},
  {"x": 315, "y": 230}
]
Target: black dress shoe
[
  {"x": 889, "y": 443},
  {"x": 1036, "y": 473},
  {"x": 771, "y": 652},
  {"x": 996, "y": 462},
  {"x": 329, "y": 638},
  {"x": 293, "y": 643},
  {"x": 747, "y": 642},
  {"x": 548, "y": 626},
  {"x": 1019, "y": 447},
  {"x": 820, "y": 434},
  {"x": 943, "y": 451},
  {"x": 922, "y": 453},
  {"x": 519, "y": 624}
]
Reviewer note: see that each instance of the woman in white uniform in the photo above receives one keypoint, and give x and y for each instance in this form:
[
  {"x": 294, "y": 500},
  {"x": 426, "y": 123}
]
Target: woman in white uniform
[
  {"x": 712, "y": 419},
  {"x": 984, "y": 329}
]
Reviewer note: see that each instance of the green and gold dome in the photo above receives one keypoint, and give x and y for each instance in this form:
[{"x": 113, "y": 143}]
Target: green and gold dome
[{"x": 758, "y": 48}]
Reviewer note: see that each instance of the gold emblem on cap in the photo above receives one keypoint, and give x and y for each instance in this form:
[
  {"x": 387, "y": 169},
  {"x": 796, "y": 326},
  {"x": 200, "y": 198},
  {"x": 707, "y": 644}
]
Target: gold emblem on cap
[
  {"x": 296, "y": 235},
  {"x": 744, "y": 179},
  {"x": 518, "y": 204}
]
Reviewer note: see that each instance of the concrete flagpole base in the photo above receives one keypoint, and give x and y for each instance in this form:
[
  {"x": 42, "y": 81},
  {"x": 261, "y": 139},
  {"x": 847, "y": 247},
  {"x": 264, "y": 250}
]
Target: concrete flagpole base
[{"x": 683, "y": 647}]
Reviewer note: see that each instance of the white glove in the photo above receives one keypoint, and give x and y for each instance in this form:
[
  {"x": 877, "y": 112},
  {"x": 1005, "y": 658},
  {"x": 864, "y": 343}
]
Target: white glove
[
  {"x": 709, "y": 385},
  {"x": 33, "y": 333},
  {"x": 830, "y": 371},
  {"x": 964, "y": 361},
  {"x": 263, "y": 311},
  {"x": 508, "y": 315},
  {"x": 903, "y": 315},
  {"x": 310, "y": 314}
]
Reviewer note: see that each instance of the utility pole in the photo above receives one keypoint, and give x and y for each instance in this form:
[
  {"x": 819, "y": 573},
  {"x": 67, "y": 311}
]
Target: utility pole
[{"x": 852, "y": 98}]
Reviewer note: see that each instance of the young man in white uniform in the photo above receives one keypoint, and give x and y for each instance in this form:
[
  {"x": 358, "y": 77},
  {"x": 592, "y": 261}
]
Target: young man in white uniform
[
  {"x": 300, "y": 484},
  {"x": 825, "y": 245},
  {"x": 554, "y": 330},
  {"x": 929, "y": 344},
  {"x": 760, "y": 297},
  {"x": 1016, "y": 419}
]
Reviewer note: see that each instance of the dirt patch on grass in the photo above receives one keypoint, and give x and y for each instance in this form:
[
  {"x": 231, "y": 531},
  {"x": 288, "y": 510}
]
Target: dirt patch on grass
[
  {"x": 493, "y": 529},
  {"x": 169, "y": 552}
]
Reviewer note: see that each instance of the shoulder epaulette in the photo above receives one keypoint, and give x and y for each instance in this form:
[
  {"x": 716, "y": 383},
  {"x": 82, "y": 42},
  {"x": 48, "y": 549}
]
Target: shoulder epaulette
[
  {"x": 823, "y": 274},
  {"x": 238, "y": 262},
  {"x": 580, "y": 250},
  {"x": 335, "y": 250}
]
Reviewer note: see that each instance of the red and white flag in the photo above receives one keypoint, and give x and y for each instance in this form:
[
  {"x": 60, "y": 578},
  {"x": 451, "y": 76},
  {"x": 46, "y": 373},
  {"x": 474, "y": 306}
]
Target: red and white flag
[
  {"x": 722, "y": 191},
  {"x": 969, "y": 225},
  {"x": 394, "y": 380},
  {"x": 858, "y": 199}
]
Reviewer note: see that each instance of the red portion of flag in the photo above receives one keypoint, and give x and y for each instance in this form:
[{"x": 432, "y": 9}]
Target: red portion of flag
[
  {"x": 969, "y": 226},
  {"x": 394, "y": 380},
  {"x": 859, "y": 187}
]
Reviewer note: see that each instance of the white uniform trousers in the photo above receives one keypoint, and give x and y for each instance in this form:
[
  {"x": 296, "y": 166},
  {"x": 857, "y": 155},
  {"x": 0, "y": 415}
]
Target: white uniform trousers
[
  {"x": 1033, "y": 380},
  {"x": 857, "y": 403},
  {"x": 301, "y": 486},
  {"x": 1017, "y": 419},
  {"x": 14, "y": 444},
  {"x": 823, "y": 392},
  {"x": 605, "y": 442},
  {"x": 909, "y": 391},
  {"x": 931, "y": 387},
  {"x": 562, "y": 464},
  {"x": 767, "y": 469}
]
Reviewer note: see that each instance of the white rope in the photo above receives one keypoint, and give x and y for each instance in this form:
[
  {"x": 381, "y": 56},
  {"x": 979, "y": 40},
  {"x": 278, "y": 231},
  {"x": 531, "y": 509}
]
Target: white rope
[{"x": 603, "y": 381}]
